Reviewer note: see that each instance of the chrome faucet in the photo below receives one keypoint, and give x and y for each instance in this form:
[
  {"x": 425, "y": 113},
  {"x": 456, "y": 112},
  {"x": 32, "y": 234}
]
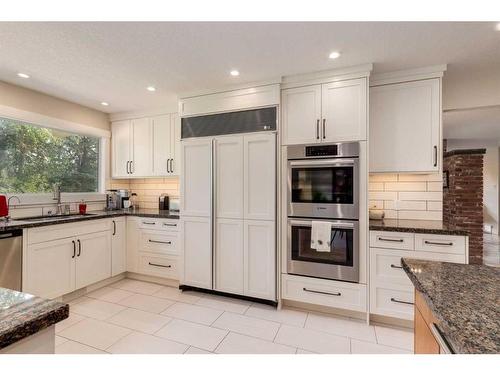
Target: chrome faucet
[
  {"x": 57, "y": 197},
  {"x": 7, "y": 218}
]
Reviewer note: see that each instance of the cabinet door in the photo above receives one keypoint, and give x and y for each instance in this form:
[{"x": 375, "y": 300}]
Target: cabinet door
[
  {"x": 228, "y": 164},
  {"x": 196, "y": 247},
  {"x": 259, "y": 183},
  {"x": 175, "y": 148},
  {"x": 120, "y": 146},
  {"x": 142, "y": 150},
  {"x": 196, "y": 177},
  {"x": 301, "y": 115},
  {"x": 260, "y": 259},
  {"x": 49, "y": 270},
  {"x": 405, "y": 127},
  {"x": 344, "y": 111},
  {"x": 162, "y": 145},
  {"x": 229, "y": 256},
  {"x": 118, "y": 246},
  {"x": 93, "y": 259}
]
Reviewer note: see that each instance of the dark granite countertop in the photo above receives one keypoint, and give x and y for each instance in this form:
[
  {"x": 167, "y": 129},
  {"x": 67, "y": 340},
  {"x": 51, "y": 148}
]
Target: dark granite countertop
[
  {"x": 92, "y": 215},
  {"x": 416, "y": 226},
  {"x": 464, "y": 298},
  {"x": 22, "y": 315}
]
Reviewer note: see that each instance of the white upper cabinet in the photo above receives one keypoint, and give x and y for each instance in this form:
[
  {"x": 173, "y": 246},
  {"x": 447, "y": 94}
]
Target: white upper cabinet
[
  {"x": 121, "y": 148},
  {"x": 142, "y": 150},
  {"x": 327, "y": 112},
  {"x": 344, "y": 107},
  {"x": 301, "y": 114},
  {"x": 259, "y": 182},
  {"x": 196, "y": 177},
  {"x": 166, "y": 145},
  {"x": 229, "y": 177},
  {"x": 405, "y": 126},
  {"x": 146, "y": 147}
]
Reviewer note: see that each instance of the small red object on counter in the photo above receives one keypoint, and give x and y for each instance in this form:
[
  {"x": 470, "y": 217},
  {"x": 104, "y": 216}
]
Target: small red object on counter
[
  {"x": 82, "y": 208},
  {"x": 4, "y": 208}
]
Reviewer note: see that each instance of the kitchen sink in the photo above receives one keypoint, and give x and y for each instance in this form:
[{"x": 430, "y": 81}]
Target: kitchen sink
[{"x": 52, "y": 217}]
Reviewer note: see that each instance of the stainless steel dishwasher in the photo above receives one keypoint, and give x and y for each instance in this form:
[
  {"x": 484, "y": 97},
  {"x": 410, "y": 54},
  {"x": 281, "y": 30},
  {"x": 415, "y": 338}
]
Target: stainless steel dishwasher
[{"x": 11, "y": 259}]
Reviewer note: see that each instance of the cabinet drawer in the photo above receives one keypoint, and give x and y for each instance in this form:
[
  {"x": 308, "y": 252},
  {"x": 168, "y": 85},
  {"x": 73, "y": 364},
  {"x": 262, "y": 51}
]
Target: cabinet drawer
[
  {"x": 386, "y": 267},
  {"x": 159, "y": 224},
  {"x": 58, "y": 231},
  {"x": 440, "y": 244},
  {"x": 396, "y": 301},
  {"x": 325, "y": 292},
  {"x": 158, "y": 242},
  {"x": 159, "y": 266},
  {"x": 392, "y": 240}
]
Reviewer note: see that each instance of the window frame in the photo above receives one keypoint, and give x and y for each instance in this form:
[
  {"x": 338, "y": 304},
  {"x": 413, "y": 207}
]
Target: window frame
[{"x": 36, "y": 119}]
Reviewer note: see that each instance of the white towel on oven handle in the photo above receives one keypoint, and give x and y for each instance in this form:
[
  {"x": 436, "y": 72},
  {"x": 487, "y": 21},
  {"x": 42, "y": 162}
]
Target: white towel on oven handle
[{"x": 321, "y": 232}]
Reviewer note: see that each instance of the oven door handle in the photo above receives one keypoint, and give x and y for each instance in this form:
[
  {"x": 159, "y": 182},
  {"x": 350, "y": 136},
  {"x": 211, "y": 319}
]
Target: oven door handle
[
  {"x": 335, "y": 225},
  {"x": 322, "y": 162}
]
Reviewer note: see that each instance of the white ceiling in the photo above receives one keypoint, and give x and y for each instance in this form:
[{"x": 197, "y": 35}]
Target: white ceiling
[
  {"x": 114, "y": 62},
  {"x": 477, "y": 123}
]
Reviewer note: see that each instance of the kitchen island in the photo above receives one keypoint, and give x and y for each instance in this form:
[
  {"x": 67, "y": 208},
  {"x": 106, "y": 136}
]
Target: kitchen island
[
  {"x": 27, "y": 323},
  {"x": 457, "y": 307}
]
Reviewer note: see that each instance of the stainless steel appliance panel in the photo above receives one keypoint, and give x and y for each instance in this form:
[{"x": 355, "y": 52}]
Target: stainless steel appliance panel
[{"x": 11, "y": 251}]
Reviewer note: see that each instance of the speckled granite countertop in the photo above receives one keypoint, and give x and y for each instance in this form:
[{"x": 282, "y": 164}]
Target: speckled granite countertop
[
  {"x": 416, "y": 226},
  {"x": 22, "y": 315},
  {"x": 464, "y": 298},
  {"x": 92, "y": 215}
]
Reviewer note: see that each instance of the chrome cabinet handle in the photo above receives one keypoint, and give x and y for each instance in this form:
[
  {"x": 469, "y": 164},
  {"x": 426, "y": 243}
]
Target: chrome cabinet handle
[
  {"x": 390, "y": 239},
  {"x": 127, "y": 167},
  {"x": 149, "y": 223},
  {"x": 172, "y": 165},
  {"x": 394, "y": 266},
  {"x": 114, "y": 227},
  {"x": 317, "y": 129},
  {"x": 324, "y": 128},
  {"x": 159, "y": 265},
  {"x": 165, "y": 242},
  {"x": 169, "y": 225},
  {"x": 435, "y": 156},
  {"x": 319, "y": 292},
  {"x": 438, "y": 243},
  {"x": 131, "y": 167},
  {"x": 74, "y": 249},
  {"x": 79, "y": 248},
  {"x": 168, "y": 165},
  {"x": 403, "y": 302}
]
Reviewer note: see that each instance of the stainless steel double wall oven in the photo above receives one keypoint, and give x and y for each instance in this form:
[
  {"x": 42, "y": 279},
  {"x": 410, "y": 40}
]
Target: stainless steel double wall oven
[{"x": 323, "y": 185}]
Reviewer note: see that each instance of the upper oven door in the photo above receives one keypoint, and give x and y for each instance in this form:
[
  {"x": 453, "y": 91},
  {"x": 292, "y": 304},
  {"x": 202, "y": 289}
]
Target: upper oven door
[{"x": 325, "y": 188}]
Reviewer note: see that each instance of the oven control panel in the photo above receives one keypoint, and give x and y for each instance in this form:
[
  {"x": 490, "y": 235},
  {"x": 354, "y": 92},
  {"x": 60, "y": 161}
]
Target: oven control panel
[{"x": 326, "y": 150}]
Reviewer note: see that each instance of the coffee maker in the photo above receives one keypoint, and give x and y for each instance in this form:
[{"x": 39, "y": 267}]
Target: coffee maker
[{"x": 116, "y": 198}]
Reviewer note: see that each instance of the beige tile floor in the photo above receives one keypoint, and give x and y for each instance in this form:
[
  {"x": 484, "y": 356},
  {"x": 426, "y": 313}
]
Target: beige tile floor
[{"x": 136, "y": 317}]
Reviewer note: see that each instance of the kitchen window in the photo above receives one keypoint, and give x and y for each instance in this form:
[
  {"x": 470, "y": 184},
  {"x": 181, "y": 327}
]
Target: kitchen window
[{"x": 33, "y": 158}]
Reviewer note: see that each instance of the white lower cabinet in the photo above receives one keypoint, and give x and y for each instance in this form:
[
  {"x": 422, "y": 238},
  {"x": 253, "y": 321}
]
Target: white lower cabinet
[
  {"x": 118, "y": 246},
  {"x": 391, "y": 291},
  {"x": 93, "y": 260},
  {"x": 54, "y": 267},
  {"x": 229, "y": 263},
  {"x": 49, "y": 268},
  {"x": 196, "y": 245},
  {"x": 259, "y": 259},
  {"x": 331, "y": 293}
]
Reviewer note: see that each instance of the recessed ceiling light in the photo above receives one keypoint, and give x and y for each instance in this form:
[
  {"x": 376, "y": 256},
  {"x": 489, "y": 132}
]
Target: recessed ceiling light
[
  {"x": 151, "y": 88},
  {"x": 105, "y": 104},
  {"x": 23, "y": 75},
  {"x": 234, "y": 73},
  {"x": 334, "y": 55}
]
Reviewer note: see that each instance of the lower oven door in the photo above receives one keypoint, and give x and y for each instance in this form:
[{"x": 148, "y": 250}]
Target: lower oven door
[{"x": 340, "y": 263}]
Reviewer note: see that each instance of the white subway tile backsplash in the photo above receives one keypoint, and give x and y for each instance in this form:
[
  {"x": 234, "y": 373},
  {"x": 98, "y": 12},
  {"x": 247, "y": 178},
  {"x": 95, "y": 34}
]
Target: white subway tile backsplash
[
  {"x": 407, "y": 196},
  {"x": 383, "y": 195},
  {"x": 405, "y": 186}
]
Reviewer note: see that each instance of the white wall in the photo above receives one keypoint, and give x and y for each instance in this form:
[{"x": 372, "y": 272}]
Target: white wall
[{"x": 491, "y": 173}]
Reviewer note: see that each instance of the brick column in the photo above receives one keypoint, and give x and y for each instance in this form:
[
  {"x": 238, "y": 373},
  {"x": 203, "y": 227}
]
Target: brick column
[{"x": 463, "y": 199}]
